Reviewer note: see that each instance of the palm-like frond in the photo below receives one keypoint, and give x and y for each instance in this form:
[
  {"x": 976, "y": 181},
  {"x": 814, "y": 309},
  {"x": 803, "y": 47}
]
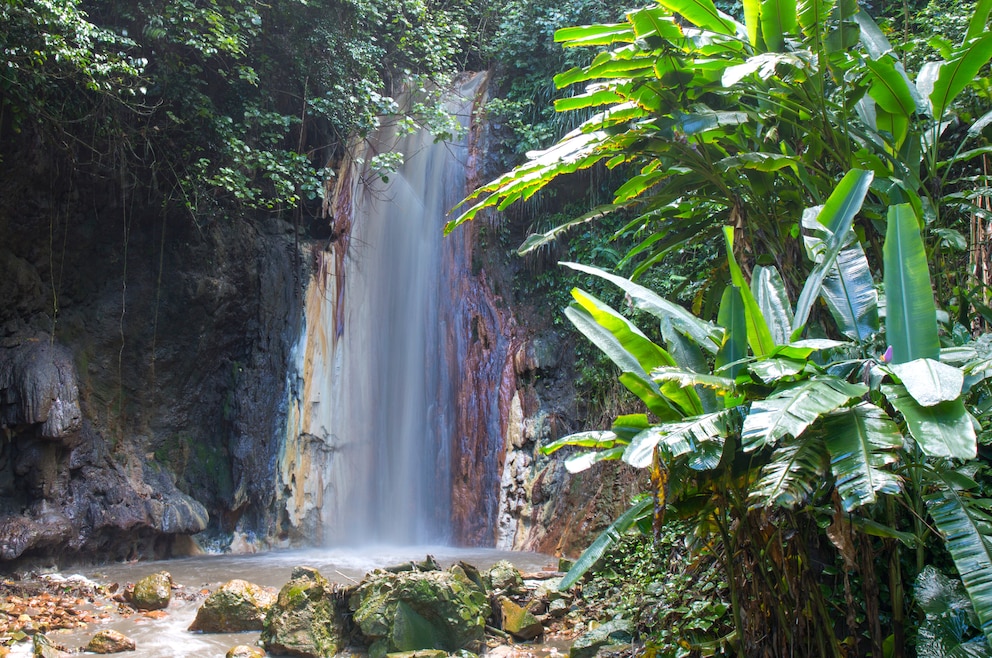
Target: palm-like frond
[{"x": 861, "y": 442}]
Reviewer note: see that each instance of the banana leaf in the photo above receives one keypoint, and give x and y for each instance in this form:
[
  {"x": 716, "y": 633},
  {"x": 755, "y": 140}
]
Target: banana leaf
[
  {"x": 705, "y": 334},
  {"x": 849, "y": 292},
  {"x": 702, "y": 13},
  {"x": 930, "y": 382},
  {"x": 862, "y": 441},
  {"x": 681, "y": 438},
  {"x": 791, "y": 409},
  {"x": 773, "y": 300},
  {"x": 794, "y": 472},
  {"x": 758, "y": 335},
  {"x": 837, "y": 215},
  {"x": 967, "y": 536},
  {"x": 941, "y": 430},
  {"x": 910, "y": 314}
]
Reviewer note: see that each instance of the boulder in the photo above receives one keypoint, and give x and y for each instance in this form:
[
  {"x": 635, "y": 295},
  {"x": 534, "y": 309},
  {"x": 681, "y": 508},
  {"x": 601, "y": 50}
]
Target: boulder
[
  {"x": 305, "y": 619},
  {"x": 414, "y": 610},
  {"x": 244, "y": 651},
  {"x": 519, "y": 621},
  {"x": 235, "y": 606},
  {"x": 110, "y": 641},
  {"x": 504, "y": 577},
  {"x": 42, "y": 647},
  {"x": 152, "y": 592},
  {"x": 615, "y": 631}
]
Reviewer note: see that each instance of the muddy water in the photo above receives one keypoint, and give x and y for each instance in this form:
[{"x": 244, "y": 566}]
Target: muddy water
[{"x": 168, "y": 637}]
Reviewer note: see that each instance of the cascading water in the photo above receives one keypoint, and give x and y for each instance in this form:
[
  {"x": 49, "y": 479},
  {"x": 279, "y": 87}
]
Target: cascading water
[{"x": 373, "y": 402}]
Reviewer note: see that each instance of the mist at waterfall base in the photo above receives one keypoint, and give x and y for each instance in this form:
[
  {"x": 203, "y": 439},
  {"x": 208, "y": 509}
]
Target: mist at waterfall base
[{"x": 372, "y": 400}]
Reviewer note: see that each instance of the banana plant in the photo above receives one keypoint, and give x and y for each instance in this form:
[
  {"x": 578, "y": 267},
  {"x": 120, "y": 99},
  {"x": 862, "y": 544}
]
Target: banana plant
[
  {"x": 720, "y": 122},
  {"x": 876, "y": 415}
]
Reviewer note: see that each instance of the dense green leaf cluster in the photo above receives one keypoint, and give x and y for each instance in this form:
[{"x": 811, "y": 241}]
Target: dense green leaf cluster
[{"x": 227, "y": 105}]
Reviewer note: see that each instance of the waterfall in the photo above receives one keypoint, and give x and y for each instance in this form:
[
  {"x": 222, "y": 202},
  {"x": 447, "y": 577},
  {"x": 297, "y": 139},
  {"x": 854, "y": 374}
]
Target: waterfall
[{"x": 373, "y": 396}]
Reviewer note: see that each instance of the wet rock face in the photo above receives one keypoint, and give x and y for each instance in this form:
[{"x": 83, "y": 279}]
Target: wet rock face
[
  {"x": 38, "y": 388},
  {"x": 142, "y": 360}
]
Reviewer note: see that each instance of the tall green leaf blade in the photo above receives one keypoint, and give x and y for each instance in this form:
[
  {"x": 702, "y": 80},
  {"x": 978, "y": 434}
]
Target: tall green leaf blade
[
  {"x": 651, "y": 395},
  {"x": 758, "y": 335},
  {"x": 705, "y": 334},
  {"x": 619, "y": 338},
  {"x": 837, "y": 214},
  {"x": 794, "y": 472},
  {"x": 604, "y": 542},
  {"x": 813, "y": 14},
  {"x": 792, "y": 409},
  {"x": 979, "y": 20},
  {"x": 891, "y": 87},
  {"x": 778, "y": 20},
  {"x": 941, "y": 430},
  {"x": 734, "y": 347},
  {"x": 958, "y": 72},
  {"x": 589, "y": 439},
  {"x": 702, "y": 13},
  {"x": 595, "y": 35},
  {"x": 752, "y": 21},
  {"x": 773, "y": 300},
  {"x": 910, "y": 315},
  {"x": 861, "y": 442},
  {"x": 967, "y": 538},
  {"x": 849, "y": 292}
]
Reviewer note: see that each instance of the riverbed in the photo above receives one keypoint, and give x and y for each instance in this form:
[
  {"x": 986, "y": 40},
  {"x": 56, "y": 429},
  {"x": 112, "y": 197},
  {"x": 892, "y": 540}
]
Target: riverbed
[{"x": 167, "y": 637}]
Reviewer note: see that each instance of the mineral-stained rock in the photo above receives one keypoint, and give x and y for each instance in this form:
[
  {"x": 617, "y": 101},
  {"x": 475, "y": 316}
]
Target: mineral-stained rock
[
  {"x": 305, "y": 619},
  {"x": 420, "y": 610},
  {"x": 235, "y": 606},
  {"x": 616, "y": 631},
  {"x": 152, "y": 592},
  {"x": 244, "y": 651},
  {"x": 110, "y": 641},
  {"x": 519, "y": 621}
]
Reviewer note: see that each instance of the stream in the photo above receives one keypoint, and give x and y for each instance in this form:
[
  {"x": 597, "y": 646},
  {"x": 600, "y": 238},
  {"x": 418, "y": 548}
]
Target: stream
[{"x": 168, "y": 638}]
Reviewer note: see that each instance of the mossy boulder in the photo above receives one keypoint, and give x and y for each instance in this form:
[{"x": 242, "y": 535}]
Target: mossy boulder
[
  {"x": 504, "y": 577},
  {"x": 306, "y": 619},
  {"x": 235, "y": 606},
  {"x": 244, "y": 651},
  {"x": 153, "y": 592},
  {"x": 415, "y": 610},
  {"x": 519, "y": 621},
  {"x": 613, "y": 632}
]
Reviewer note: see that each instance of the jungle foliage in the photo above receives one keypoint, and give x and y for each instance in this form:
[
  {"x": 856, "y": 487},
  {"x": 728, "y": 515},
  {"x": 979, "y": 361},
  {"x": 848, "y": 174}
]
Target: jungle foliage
[
  {"x": 222, "y": 106},
  {"x": 823, "y": 445}
]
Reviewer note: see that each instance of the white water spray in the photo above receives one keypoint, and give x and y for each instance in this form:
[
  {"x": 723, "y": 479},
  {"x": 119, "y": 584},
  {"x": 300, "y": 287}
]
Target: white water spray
[{"x": 371, "y": 413}]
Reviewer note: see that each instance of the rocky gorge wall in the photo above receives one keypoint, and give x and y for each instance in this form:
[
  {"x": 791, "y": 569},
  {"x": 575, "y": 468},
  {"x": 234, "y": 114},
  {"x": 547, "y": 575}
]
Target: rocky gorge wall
[
  {"x": 139, "y": 354},
  {"x": 143, "y": 375}
]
